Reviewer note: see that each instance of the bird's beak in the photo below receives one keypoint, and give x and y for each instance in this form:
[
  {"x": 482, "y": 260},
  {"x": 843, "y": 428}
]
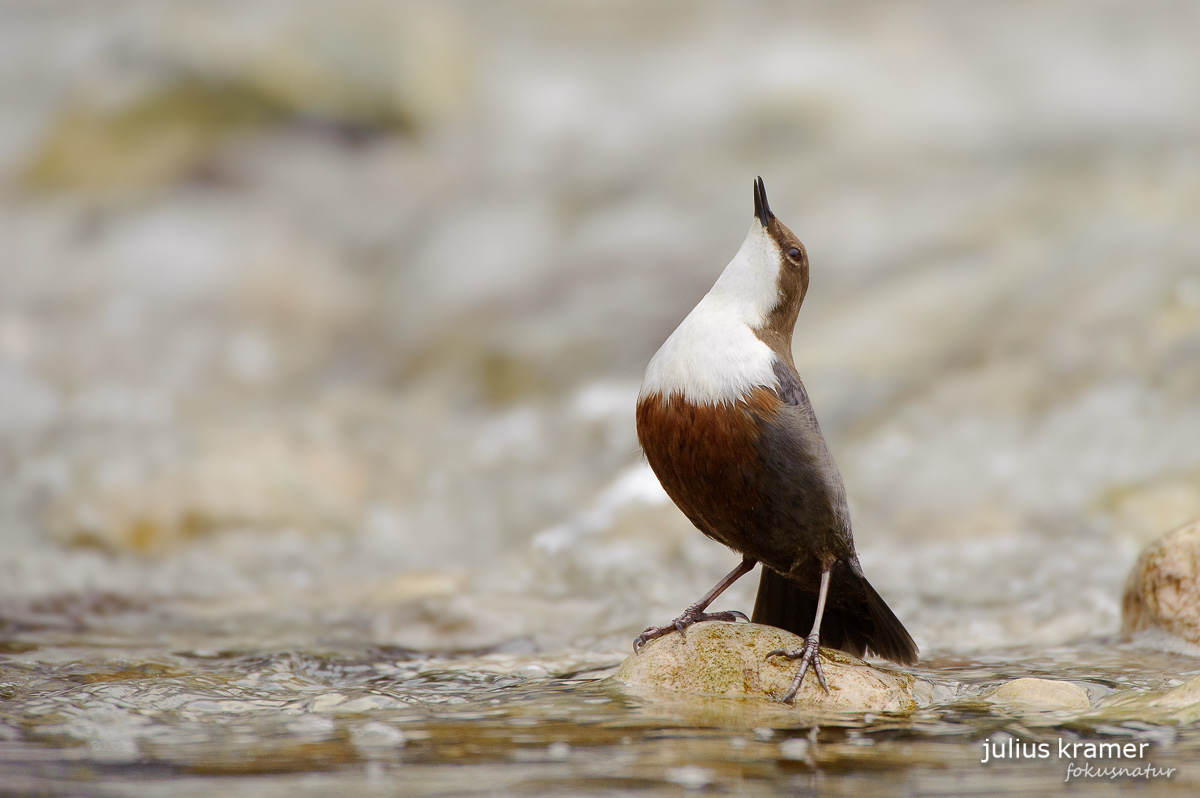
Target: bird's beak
[{"x": 761, "y": 209}]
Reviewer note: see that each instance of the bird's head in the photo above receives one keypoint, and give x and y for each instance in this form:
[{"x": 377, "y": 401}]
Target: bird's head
[{"x": 768, "y": 277}]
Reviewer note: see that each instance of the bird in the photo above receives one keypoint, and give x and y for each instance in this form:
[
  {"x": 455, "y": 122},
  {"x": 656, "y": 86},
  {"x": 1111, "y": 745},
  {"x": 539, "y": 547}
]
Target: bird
[{"x": 726, "y": 424}]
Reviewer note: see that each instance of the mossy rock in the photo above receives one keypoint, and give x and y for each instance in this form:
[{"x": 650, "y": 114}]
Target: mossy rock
[{"x": 730, "y": 659}]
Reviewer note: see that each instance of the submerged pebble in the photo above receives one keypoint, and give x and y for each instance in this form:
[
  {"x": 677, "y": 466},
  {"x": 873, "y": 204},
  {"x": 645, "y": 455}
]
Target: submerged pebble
[
  {"x": 1180, "y": 704},
  {"x": 1040, "y": 694},
  {"x": 374, "y": 736},
  {"x": 690, "y": 777}
]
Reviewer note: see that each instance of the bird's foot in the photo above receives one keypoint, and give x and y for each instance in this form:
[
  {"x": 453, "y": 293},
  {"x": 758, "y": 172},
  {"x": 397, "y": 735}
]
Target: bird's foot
[
  {"x": 689, "y": 616},
  {"x": 808, "y": 654}
]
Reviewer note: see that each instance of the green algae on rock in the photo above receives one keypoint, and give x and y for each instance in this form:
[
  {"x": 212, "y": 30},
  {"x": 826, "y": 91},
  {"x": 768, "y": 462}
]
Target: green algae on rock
[{"x": 730, "y": 659}]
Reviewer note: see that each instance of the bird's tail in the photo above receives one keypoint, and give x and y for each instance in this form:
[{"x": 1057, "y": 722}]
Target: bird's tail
[{"x": 856, "y": 619}]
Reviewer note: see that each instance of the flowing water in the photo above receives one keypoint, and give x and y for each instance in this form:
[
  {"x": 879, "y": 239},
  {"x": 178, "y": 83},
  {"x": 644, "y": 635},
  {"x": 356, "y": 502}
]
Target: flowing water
[
  {"x": 124, "y": 721},
  {"x": 320, "y": 334}
]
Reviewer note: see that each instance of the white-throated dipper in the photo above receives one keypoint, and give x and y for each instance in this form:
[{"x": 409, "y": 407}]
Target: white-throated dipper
[{"x": 727, "y": 426}]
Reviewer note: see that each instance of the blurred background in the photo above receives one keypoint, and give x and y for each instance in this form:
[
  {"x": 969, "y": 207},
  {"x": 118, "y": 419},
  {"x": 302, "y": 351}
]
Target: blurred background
[{"x": 325, "y": 322}]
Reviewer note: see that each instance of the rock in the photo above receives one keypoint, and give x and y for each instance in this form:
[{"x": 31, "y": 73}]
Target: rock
[
  {"x": 1040, "y": 694},
  {"x": 409, "y": 66},
  {"x": 397, "y": 64},
  {"x": 1162, "y": 593},
  {"x": 153, "y": 140},
  {"x": 212, "y": 481},
  {"x": 730, "y": 659},
  {"x": 1180, "y": 704},
  {"x": 374, "y": 738}
]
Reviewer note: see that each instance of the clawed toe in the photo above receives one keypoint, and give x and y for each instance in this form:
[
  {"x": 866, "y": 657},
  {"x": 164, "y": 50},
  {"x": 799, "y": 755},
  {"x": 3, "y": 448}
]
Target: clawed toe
[
  {"x": 681, "y": 624},
  {"x": 808, "y": 654},
  {"x": 651, "y": 633},
  {"x": 727, "y": 615}
]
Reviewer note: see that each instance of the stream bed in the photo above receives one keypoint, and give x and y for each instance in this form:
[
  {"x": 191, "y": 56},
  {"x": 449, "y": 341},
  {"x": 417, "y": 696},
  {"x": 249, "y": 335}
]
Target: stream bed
[{"x": 114, "y": 720}]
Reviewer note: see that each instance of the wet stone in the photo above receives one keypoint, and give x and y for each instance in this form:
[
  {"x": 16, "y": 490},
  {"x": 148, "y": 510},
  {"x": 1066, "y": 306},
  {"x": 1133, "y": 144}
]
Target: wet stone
[
  {"x": 1180, "y": 704},
  {"x": 1161, "y": 603},
  {"x": 1040, "y": 694},
  {"x": 327, "y": 702},
  {"x": 730, "y": 659}
]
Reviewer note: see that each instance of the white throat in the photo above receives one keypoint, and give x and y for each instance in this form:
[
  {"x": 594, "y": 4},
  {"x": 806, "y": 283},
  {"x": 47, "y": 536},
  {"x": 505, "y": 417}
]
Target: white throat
[{"x": 713, "y": 356}]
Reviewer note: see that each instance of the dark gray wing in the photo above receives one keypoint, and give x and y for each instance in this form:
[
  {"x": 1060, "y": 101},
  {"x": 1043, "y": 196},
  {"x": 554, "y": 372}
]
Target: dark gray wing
[{"x": 809, "y": 514}]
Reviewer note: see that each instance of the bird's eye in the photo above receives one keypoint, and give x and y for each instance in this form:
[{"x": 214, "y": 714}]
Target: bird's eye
[{"x": 793, "y": 253}]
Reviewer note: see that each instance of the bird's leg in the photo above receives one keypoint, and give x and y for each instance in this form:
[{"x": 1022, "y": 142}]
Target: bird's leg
[
  {"x": 696, "y": 613},
  {"x": 808, "y": 653}
]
